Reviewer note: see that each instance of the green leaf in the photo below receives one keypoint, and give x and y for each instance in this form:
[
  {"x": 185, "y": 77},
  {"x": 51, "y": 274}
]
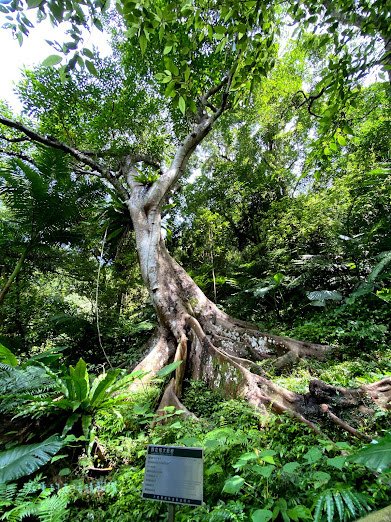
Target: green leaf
[
  {"x": 71, "y": 421},
  {"x": 182, "y": 105},
  {"x": 299, "y": 513},
  {"x": 244, "y": 459},
  {"x": 58, "y": 457},
  {"x": 320, "y": 478},
  {"x": 53, "y": 59},
  {"x": 318, "y": 509},
  {"x": 87, "y": 52},
  {"x": 264, "y": 471},
  {"x": 31, "y": 4},
  {"x": 79, "y": 381},
  {"x": 278, "y": 278},
  {"x": 7, "y": 357},
  {"x": 86, "y": 423},
  {"x": 384, "y": 294},
  {"x": 170, "y": 90},
  {"x": 167, "y": 49},
  {"x": 168, "y": 369},
  {"x": 91, "y": 68},
  {"x": 375, "y": 456},
  {"x": 64, "y": 472},
  {"x": 290, "y": 467},
  {"x": 142, "y": 40},
  {"x": 339, "y": 504},
  {"x": 100, "y": 386},
  {"x": 348, "y": 501},
  {"x": 341, "y": 140},
  {"x": 313, "y": 455},
  {"x": 348, "y": 130},
  {"x": 330, "y": 507},
  {"x": 24, "y": 460},
  {"x": 337, "y": 462},
  {"x": 213, "y": 470},
  {"x": 233, "y": 485},
  {"x": 171, "y": 67},
  {"x": 261, "y": 515}
]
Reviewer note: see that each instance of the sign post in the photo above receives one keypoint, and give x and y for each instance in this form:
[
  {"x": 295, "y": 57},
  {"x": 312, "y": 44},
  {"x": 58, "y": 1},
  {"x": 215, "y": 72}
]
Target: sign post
[{"x": 174, "y": 474}]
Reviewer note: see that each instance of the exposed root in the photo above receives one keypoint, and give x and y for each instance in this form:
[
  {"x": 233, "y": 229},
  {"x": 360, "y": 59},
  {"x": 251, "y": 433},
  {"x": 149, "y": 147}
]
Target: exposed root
[
  {"x": 224, "y": 355},
  {"x": 160, "y": 351},
  {"x": 180, "y": 355},
  {"x": 171, "y": 399},
  {"x": 380, "y": 392},
  {"x": 344, "y": 425},
  {"x": 270, "y": 344}
]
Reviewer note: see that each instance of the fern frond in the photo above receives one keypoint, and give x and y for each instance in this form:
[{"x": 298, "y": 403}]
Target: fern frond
[
  {"x": 358, "y": 501},
  {"x": 30, "y": 488},
  {"x": 348, "y": 501},
  {"x": 329, "y": 501},
  {"x": 7, "y": 493},
  {"x": 318, "y": 509},
  {"x": 20, "y": 512},
  {"x": 53, "y": 509},
  {"x": 339, "y": 504}
]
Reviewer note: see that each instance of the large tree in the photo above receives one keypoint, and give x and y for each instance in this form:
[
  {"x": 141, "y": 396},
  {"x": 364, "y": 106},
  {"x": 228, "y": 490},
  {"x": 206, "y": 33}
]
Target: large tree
[{"x": 179, "y": 68}]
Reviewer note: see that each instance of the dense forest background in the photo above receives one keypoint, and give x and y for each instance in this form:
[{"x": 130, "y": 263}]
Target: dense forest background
[{"x": 282, "y": 218}]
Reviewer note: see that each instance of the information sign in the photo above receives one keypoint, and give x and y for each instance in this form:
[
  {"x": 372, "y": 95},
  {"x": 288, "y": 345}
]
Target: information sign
[{"x": 174, "y": 474}]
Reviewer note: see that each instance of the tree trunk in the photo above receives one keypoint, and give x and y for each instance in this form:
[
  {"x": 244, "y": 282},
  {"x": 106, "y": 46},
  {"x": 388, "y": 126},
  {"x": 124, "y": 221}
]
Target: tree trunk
[
  {"x": 212, "y": 345},
  {"x": 224, "y": 351},
  {"x": 13, "y": 276}
]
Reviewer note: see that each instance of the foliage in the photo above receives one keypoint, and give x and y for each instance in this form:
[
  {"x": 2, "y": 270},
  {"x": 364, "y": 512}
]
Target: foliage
[
  {"x": 70, "y": 400},
  {"x": 33, "y": 499},
  {"x": 283, "y": 472},
  {"x": 289, "y": 209},
  {"x": 7, "y": 357},
  {"x": 25, "y": 460},
  {"x": 343, "y": 501},
  {"x": 375, "y": 456}
]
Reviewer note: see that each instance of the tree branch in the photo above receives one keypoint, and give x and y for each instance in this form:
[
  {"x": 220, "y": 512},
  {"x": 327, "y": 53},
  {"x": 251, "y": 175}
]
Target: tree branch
[
  {"x": 13, "y": 140},
  {"x": 80, "y": 156},
  {"x": 145, "y": 158},
  {"x": 310, "y": 100},
  {"x": 51, "y": 142},
  {"x": 18, "y": 155},
  {"x": 161, "y": 187},
  {"x": 214, "y": 90}
]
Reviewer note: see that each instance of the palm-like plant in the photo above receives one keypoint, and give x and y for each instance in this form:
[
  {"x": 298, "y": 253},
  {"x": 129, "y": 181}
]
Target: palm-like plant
[
  {"x": 45, "y": 202},
  {"x": 34, "y": 391}
]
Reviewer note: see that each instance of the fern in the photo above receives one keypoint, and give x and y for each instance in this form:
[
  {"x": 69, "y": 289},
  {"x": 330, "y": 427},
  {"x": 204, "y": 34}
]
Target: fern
[
  {"x": 7, "y": 494},
  {"x": 52, "y": 509},
  {"x": 20, "y": 512},
  {"x": 21, "y": 385},
  {"x": 30, "y": 488},
  {"x": 344, "y": 503},
  {"x": 34, "y": 500}
]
